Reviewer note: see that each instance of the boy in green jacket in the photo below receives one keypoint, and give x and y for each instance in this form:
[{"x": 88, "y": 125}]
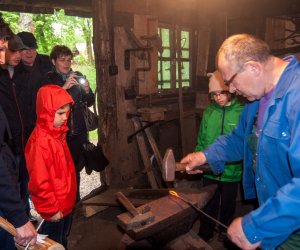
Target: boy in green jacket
[{"x": 220, "y": 117}]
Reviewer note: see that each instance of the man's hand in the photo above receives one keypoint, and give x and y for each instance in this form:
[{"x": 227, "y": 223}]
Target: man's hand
[
  {"x": 26, "y": 234},
  {"x": 236, "y": 234},
  {"x": 192, "y": 160}
]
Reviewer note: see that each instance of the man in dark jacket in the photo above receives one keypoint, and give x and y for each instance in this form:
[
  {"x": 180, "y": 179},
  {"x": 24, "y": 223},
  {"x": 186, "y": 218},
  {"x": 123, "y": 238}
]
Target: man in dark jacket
[
  {"x": 12, "y": 207},
  {"x": 14, "y": 101},
  {"x": 37, "y": 65}
]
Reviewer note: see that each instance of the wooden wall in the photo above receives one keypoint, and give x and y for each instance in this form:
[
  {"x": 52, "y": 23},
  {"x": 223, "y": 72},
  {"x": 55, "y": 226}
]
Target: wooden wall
[{"x": 179, "y": 129}]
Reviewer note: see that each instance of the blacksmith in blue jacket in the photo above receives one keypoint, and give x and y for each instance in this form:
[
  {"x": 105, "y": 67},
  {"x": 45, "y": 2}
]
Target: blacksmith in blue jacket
[{"x": 267, "y": 139}]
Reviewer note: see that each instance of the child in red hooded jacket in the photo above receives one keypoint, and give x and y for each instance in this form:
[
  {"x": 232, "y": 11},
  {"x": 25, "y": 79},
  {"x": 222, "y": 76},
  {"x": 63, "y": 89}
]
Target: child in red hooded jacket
[{"x": 52, "y": 178}]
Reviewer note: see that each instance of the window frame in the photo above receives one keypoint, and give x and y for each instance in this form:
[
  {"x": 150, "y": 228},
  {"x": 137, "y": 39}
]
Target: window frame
[{"x": 175, "y": 57}]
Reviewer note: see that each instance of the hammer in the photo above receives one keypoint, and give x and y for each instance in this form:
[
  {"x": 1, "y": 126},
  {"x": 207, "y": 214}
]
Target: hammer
[
  {"x": 169, "y": 166},
  {"x": 48, "y": 244},
  {"x": 138, "y": 219}
]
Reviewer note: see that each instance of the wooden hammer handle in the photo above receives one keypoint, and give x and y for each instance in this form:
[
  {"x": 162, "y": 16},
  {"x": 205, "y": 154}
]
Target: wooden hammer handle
[
  {"x": 182, "y": 166},
  {"x": 47, "y": 245},
  {"x": 7, "y": 226},
  {"x": 126, "y": 203}
]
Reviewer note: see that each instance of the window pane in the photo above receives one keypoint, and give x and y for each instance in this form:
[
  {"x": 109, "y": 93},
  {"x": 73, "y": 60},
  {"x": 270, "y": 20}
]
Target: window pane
[
  {"x": 185, "y": 39},
  {"x": 185, "y": 84},
  {"x": 185, "y": 74},
  {"x": 159, "y": 70},
  {"x": 185, "y": 53},
  {"x": 165, "y": 36},
  {"x": 166, "y": 67},
  {"x": 166, "y": 53},
  {"x": 166, "y": 85},
  {"x": 185, "y": 70},
  {"x": 164, "y": 74}
]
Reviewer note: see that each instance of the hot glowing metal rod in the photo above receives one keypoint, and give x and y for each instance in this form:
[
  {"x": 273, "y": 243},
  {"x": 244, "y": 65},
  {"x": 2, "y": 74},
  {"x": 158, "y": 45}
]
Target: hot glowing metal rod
[{"x": 173, "y": 193}]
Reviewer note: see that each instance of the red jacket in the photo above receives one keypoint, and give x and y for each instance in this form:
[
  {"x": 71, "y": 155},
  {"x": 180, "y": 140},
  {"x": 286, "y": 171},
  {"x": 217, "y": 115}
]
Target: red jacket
[{"x": 52, "y": 178}]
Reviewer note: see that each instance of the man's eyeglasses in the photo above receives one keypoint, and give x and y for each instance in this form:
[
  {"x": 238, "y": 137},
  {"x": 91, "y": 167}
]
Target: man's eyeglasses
[{"x": 227, "y": 82}]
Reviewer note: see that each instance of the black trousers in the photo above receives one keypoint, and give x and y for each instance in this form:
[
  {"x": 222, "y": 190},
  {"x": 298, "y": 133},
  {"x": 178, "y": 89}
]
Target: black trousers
[
  {"x": 75, "y": 143},
  {"x": 221, "y": 207}
]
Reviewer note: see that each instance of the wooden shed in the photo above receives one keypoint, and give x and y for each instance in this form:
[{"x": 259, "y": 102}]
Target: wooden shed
[
  {"x": 152, "y": 58},
  {"x": 137, "y": 45}
]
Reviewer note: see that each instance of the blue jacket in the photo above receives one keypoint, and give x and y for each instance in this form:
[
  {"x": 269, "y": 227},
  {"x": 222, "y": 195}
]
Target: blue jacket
[{"x": 276, "y": 179}]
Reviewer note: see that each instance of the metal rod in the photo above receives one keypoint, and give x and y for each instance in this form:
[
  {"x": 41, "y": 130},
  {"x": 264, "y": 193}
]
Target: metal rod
[
  {"x": 173, "y": 193},
  {"x": 37, "y": 229}
]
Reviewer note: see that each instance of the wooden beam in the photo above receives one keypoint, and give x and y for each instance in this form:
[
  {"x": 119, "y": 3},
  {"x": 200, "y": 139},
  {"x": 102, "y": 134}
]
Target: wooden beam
[{"x": 77, "y": 7}]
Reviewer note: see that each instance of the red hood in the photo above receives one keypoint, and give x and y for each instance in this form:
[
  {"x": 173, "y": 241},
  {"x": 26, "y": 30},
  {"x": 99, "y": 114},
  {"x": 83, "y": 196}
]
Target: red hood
[{"x": 49, "y": 99}]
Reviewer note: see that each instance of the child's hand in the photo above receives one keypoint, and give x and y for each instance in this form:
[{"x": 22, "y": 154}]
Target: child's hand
[{"x": 57, "y": 216}]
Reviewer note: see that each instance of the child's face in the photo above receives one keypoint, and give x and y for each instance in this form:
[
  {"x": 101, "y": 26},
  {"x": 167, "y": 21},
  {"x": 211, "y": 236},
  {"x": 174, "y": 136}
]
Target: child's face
[
  {"x": 221, "y": 98},
  {"x": 61, "y": 116}
]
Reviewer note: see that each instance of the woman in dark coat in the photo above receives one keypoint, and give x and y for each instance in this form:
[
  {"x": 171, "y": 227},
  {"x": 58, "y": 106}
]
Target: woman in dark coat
[{"x": 78, "y": 87}]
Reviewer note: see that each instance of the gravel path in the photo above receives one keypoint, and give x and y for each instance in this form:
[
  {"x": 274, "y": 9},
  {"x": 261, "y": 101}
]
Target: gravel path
[{"x": 88, "y": 182}]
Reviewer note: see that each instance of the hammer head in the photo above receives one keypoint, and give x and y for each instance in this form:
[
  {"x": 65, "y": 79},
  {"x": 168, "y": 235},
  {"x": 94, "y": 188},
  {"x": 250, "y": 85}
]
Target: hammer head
[
  {"x": 140, "y": 220},
  {"x": 168, "y": 166}
]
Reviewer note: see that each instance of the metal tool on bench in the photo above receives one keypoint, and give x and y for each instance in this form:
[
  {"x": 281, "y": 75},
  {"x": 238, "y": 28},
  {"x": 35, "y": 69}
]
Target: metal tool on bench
[
  {"x": 139, "y": 219},
  {"x": 172, "y": 217},
  {"x": 44, "y": 244},
  {"x": 170, "y": 166},
  {"x": 181, "y": 197}
]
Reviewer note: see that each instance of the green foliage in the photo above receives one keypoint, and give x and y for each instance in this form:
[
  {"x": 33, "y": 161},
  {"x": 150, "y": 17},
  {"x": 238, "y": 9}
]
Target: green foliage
[
  {"x": 54, "y": 29},
  {"x": 12, "y": 19}
]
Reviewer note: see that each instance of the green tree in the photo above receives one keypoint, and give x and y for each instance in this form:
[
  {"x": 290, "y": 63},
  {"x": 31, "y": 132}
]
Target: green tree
[{"x": 53, "y": 29}]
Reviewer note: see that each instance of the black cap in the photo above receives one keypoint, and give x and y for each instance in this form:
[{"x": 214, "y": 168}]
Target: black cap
[
  {"x": 15, "y": 43},
  {"x": 28, "y": 39}
]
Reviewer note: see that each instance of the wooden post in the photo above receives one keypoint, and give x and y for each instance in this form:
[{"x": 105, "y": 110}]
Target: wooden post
[{"x": 105, "y": 87}]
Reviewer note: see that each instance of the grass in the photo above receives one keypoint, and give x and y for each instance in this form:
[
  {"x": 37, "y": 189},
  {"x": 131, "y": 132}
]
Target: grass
[{"x": 90, "y": 73}]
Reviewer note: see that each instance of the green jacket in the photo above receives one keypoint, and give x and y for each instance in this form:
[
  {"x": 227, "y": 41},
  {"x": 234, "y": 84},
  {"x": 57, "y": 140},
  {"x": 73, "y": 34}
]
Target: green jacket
[{"x": 216, "y": 121}]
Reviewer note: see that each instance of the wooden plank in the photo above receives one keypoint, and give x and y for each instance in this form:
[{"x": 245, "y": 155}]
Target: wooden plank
[
  {"x": 137, "y": 197},
  {"x": 180, "y": 104},
  {"x": 144, "y": 153},
  {"x": 145, "y": 25},
  {"x": 92, "y": 210},
  {"x": 154, "y": 147},
  {"x": 188, "y": 241}
]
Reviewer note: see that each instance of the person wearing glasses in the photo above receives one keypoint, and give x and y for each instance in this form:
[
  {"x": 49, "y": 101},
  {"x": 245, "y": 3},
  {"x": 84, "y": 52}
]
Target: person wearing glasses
[
  {"x": 219, "y": 118},
  {"x": 266, "y": 138}
]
